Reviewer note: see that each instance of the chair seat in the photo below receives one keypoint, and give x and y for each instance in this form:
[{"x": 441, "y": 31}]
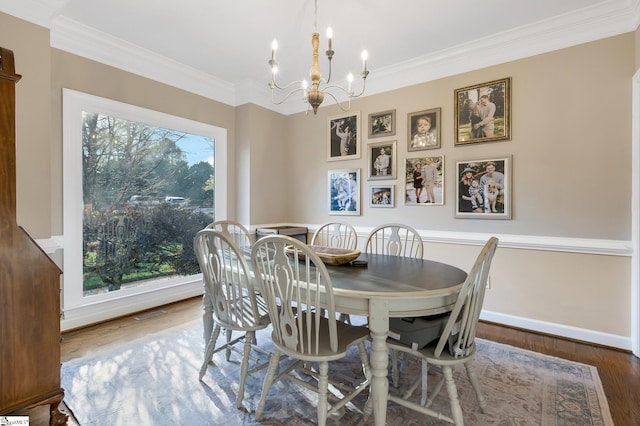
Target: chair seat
[
  {"x": 349, "y": 335},
  {"x": 236, "y": 322},
  {"x": 428, "y": 353}
]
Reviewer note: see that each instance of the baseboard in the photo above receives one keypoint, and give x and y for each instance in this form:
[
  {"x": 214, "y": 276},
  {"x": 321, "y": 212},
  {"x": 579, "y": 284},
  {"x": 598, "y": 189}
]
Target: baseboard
[
  {"x": 105, "y": 310},
  {"x": 590, "y": 336}
]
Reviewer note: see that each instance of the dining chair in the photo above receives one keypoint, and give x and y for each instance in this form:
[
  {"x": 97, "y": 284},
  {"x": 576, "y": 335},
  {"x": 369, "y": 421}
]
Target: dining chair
[
  {"x": 238, "y": 232},
  {"x": 229, "y": 284},
  {"x": 395, "y": 239},
  {"x": 297, "y": 288},
  {"x": 455, "y": 345},
  {"x": 335, "y": 235},
  {"x": 239, "y": 235}
]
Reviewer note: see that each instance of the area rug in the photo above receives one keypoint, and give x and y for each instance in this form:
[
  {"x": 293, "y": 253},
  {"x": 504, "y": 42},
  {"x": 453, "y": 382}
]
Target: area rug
[{"x": 154, "y": 381}]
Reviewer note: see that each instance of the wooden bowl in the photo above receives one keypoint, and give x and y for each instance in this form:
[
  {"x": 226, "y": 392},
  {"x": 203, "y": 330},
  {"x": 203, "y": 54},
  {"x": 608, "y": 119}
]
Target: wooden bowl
[{"x": 333, "y": 256}]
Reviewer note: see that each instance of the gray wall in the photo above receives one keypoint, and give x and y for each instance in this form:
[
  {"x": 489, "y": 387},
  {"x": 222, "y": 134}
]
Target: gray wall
[{"x": 571, "y": 147}]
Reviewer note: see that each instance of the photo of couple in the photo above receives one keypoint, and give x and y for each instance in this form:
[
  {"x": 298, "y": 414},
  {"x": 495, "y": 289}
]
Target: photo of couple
[{"x": 425, "y": 181}]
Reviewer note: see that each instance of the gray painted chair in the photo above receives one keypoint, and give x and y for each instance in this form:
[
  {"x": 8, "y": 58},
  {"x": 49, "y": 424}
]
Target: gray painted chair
[
  {"x": 239, "y": 235},
  {"x": 455, "y": 346},
  {"x": 229, "y": 284},
  {"x": 336, "y": 235},
  {"x": 395, "y": 239},
  {"x": 238, "y": 232},
  {"x": 286, "y": 268}
]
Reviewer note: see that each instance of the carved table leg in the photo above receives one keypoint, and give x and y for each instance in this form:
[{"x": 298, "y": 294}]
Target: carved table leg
[{"x": 379, "y": 327}]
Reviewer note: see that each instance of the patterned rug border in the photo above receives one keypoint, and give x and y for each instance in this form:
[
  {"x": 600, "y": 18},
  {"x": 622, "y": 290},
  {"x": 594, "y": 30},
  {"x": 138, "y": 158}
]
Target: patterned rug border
[{"x": 602, "y": 397}]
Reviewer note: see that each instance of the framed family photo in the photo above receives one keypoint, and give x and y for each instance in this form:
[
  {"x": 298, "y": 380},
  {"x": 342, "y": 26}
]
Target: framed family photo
[
  {"x": 424, "y": 181},
  {"x": 344, "y": 192},
  {"x": 483, "y": 112},
  {"x": 423, "y": 130},
  {"x": 344, "y": 136},
  {"x": 382, "y": 124},
  {"x": 381, "y": 160},
  {"x": 382, "y": 195},
  {"x": 484, "y": 188}
]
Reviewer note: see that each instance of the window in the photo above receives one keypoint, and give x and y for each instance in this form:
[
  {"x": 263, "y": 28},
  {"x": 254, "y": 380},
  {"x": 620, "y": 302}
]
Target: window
[{"x": 138, "y": 184}]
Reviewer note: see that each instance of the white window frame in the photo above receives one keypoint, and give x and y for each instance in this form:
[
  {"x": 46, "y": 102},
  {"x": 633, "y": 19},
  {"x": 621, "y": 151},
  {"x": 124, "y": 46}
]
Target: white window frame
[{"x": 80, "y": 310}]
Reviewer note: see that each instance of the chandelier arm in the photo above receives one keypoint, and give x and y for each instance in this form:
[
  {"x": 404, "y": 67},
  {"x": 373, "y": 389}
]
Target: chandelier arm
[
  {"x": 329, "y": 77},
  {"x": 364, "y": 84},
  {"x": 286, "y": 97},
  {"x": 345, "y": 109},
  {"x": 335, "y": 86},
  {"x": 274, "y": 84}
]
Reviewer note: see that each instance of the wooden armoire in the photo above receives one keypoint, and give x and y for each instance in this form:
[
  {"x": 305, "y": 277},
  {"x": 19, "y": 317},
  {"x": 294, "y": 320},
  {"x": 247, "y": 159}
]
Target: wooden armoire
[{"x": 29, "y": 287}]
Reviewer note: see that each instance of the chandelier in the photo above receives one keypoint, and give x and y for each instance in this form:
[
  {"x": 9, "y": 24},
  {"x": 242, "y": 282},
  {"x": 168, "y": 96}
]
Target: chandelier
[{"x": 320, "y": 87}]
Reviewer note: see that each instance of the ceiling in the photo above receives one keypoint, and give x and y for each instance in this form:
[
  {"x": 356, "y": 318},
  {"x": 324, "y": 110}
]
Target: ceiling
[{"x": 220, "y": 49}]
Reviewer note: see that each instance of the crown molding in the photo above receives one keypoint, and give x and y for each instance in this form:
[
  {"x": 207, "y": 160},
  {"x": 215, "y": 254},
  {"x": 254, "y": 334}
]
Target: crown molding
[
  {"x": 72, "y": 37},
  {"x": 606, "y": 19},
  {"x": 586, "y": 25}
]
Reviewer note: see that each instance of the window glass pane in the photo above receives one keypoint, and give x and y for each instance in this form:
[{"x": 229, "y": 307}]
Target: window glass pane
[{"x": 146, "y": 191}]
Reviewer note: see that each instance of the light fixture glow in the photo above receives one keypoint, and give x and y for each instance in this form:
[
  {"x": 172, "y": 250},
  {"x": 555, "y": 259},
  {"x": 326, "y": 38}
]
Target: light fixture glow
[{"x": 320, "y": 87}]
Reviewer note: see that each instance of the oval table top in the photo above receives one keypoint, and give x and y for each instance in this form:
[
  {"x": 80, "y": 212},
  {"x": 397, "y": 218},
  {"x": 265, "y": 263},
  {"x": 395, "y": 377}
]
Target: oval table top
[
  {"x": 412, "y": 287},
  {"x": 389, "y": 276}
]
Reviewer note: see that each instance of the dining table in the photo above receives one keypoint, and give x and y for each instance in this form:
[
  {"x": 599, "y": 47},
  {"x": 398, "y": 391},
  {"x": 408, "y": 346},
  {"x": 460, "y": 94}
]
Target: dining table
[{"x": 382, "y": 287}]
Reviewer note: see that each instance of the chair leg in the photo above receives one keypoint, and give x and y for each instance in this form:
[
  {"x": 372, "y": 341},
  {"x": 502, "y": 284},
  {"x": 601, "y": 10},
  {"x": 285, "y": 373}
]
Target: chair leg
[
  {"x": 211, "y": 345},
  {"x": 229, "y": 333},
  {"x": 268, "y": 381},
  {"x": 364, "y": 357},
  {"x": 423, "y": 398},
  {"x": 476, "y": 386},
  {"x": 245, "y": 366},
  {"x": 394, "y": 367},
  {"x": 207, "y": 318},
  {"x": 368, "y": 374},
  {"x": 456, "y": 409},
  {"x": 323, "y": 385},
  {"x": 434, "y": 393}
]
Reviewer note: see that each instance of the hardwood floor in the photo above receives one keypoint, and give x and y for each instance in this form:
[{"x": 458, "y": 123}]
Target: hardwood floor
[{"x": 619, "y": 371}]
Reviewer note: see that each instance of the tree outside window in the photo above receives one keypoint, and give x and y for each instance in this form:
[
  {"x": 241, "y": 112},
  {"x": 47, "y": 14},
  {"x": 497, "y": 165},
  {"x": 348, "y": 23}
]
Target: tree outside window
[{"x": 147, "y": 191}]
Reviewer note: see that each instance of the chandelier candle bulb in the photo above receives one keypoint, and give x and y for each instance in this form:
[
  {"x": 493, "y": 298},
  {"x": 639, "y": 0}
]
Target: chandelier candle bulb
[
  {"x": 274, "y": 47},
  {"x": 329, "y": 36},
  {"x": 365, "y": 56}
]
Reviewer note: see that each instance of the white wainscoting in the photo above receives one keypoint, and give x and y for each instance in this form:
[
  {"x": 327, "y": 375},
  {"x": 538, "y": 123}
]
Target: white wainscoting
[{"x": 73, "y": 318}]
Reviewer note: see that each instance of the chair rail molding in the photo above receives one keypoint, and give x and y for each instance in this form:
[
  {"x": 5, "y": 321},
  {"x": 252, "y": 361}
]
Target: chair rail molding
[{"x": 526, "y": 242}]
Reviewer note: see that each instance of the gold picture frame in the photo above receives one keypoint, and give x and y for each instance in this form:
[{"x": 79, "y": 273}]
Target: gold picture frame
[{"x": 483, "y": 112}]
